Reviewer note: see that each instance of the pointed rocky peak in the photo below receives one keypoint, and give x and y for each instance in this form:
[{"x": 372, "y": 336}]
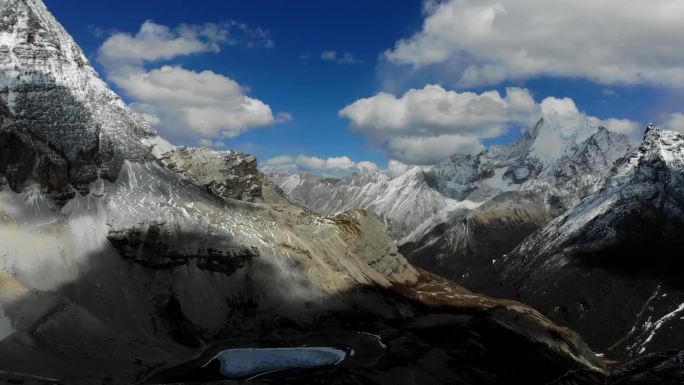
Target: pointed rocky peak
[
  {"x": 64, "y": 128},
  {"x": 531, "y": 133},
  {"x": 417, "y": 178},
  {"x": 660, "y": 148},
  {"x": 555, "y": 139},
  {"x": 33, "y": 43},
  {"x": 602, "y": 133}
]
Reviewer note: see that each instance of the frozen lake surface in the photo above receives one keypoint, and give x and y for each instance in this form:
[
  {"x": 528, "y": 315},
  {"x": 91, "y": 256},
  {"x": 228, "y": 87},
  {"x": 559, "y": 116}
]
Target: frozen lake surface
[{"x": 241, "y": 363}]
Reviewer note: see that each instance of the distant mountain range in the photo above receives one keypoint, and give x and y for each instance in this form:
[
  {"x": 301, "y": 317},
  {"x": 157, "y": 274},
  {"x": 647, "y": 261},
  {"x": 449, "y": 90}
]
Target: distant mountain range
[{"x": 583, "y": 225}]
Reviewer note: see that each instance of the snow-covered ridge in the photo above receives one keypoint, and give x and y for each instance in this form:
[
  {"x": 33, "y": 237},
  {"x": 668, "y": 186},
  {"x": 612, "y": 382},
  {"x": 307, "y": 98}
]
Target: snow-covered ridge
[
  {"x": 404, "y": 202},
  {"x": 611, "y": 250},
  {"x": 564, "y": 166},
  {"x": 654, "y": 174},
  {"x": 78, "y": 126}
]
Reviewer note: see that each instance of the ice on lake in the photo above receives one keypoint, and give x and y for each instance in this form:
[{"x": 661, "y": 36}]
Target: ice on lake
[{"x": 241, "y": 363}]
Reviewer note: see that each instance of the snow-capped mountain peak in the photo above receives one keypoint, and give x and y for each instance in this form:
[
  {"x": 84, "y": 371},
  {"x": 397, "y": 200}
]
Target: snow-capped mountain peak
[
  {"x": 53, "y": 99},
  {"x": 666, "y": 145},
  {"x": 614, "y": 249}
]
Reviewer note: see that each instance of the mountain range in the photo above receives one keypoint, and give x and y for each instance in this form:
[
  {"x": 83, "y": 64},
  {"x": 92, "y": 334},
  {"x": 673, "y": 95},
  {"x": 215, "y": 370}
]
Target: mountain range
[
  {"x": 125, "y": 259},
  {"x": 586, "y": 227}
]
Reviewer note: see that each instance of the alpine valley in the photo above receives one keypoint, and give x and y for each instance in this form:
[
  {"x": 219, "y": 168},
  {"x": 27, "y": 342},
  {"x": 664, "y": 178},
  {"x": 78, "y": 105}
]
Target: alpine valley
[
  {"x": 127, "y": 260},
  {"x": 589, "y": 235}
]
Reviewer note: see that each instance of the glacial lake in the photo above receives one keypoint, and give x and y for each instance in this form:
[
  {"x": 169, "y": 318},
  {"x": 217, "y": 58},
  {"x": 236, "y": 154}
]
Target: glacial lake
[{"x": 243, "y": 363}]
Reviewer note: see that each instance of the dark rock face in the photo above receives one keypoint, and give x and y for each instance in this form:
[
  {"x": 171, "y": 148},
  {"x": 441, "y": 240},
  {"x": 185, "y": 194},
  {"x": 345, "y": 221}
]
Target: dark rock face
[
  {"x": 466, "y": 246},
  {"x": 665, "y": 368},
  {"x": 157, "y": 246},
  {"x": 51, "y": 139}
]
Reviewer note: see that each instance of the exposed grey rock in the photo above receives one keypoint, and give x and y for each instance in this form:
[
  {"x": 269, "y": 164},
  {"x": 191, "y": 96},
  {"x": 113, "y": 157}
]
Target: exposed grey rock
[
  {"x": 666, "y": 368},
  {"x": 404, "y": 202},
  {"x": 231, "y": 175},
  {"x": 467, "y": 242},
  {"x": 62, "y": 127}
]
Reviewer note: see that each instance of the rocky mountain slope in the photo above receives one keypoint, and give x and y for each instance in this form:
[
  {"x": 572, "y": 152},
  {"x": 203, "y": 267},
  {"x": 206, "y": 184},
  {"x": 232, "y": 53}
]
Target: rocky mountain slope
[
  {"x": 469, "y": 210},
  {"x": 468, "y": 242},
  {"x": 616, "y": 257},
  {"x": 423, "y": 201},
  {"x": 123, "y": 258},
  {"x": 405, "y": 202},
  {"x": 546, "y": 159},
  {"x": 228, "y": 174},
  {"x": 591, "y": 236}
]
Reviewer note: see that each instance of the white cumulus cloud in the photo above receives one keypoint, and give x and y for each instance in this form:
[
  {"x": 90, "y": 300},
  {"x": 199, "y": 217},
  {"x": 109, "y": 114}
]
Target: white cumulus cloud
[
  {"x": 675, "y": 122},
  {"x": 426, "y": 125},
  {"x": 333, "y": 166},
  {"x": 607, "y": 41},
  {"x": 154, "y": 42},
  {"x": 181, "y": 103},
  {"x": 396, "y": 168}
]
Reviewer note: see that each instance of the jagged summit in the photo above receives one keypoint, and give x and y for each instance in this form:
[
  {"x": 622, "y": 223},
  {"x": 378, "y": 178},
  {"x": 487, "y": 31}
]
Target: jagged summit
[
  {"x": 652, "y": 177},
  {"x": 414, "y": 203},
  {"x": 617, "y": 251},
  {"x": 62, "y": 126},
  {"x": 665, "y": 145}
]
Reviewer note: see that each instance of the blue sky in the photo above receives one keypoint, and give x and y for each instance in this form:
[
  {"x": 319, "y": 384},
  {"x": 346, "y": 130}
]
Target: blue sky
[{"x": 278, "y": 60}]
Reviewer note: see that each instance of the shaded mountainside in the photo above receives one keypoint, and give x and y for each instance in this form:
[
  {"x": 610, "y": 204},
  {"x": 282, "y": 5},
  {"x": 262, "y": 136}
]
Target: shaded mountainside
[
  {"x": 615, "y": 259},
  {"x": 467, "y": 244},
  {"x": 609, "y": 265},
  {"x": 146, "y": 261}
]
